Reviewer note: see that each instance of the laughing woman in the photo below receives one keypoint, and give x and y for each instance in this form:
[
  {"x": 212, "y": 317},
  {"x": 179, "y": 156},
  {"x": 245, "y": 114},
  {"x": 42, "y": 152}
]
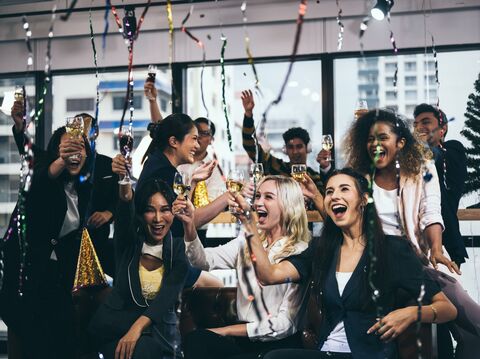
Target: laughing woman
[
  {"x": 138, "y": 318},
  {"x": 283, "y": 232},
  {"x": 342, "y": 266}
]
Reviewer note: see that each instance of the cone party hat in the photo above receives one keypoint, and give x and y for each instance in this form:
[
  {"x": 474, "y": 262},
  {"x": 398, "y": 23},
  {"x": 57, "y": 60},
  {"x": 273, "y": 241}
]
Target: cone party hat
[{"x": 89, "y": 270}]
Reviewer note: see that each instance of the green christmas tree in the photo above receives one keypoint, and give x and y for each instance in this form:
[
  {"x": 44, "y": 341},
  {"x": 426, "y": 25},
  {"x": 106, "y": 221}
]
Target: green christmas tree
[{"x": 472, "y": 133}]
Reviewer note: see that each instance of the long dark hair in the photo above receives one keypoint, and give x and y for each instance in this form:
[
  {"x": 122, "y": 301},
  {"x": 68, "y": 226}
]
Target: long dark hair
[
  {"x": 150, "y": 187},
  {"x": 177, "y": 125},
  {"x": 411, "y": 157},
  {"x": 53, "y": 152},
  {"x": 332, "y": 237}
]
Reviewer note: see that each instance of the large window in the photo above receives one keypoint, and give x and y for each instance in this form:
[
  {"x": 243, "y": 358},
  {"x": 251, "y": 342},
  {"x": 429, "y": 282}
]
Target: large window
[
  {"x": 9, "y": 156},
  {"x": 300, "y": 106},
  {"x": 112, "y": 98}
]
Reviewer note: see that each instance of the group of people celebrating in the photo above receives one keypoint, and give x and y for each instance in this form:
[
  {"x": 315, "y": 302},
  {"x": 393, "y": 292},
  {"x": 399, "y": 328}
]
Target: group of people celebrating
[{"x": 389, "y": 225}]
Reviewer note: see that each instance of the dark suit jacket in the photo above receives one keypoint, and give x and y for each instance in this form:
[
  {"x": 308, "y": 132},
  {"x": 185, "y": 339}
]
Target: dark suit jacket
[
  {"x": 355, "y": 307},
  {"x": 126, "y": 302},
  {"x": 454, "y": 160}
]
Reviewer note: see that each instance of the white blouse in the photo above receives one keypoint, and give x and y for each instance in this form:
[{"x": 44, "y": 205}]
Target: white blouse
[
  {"x": 282, "y": 300},
  {"x": 387, "y": 207}
]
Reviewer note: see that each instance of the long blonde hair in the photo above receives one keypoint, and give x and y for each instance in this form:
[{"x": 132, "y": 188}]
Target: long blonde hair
[{"x": 293, "y": 217}]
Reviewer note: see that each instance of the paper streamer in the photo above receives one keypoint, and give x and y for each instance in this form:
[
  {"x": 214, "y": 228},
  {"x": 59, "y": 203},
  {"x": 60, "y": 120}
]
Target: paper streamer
[
  {"x": 302, "y": 9},
  {"x": 243, "y": 8},
  {"x": 224, "y": 102},
  {"x": 341, "y": 27},
  {"x": 28, "y": 36},
  {"x": 66, "y": 16},
  {"x": 363, "y": 29},
  {"x": 434, "y": 51},
  {"x": 201, "y": 45},
  {"x": 106, "y": 26}
]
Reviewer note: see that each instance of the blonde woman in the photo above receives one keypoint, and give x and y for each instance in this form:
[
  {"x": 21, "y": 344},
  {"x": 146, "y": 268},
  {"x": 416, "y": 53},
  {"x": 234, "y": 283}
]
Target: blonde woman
[{"x": 283, "y": 228}]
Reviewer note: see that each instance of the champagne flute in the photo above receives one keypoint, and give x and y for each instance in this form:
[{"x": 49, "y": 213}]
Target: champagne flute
[
  {"x": 234, "y": 185},
  {"x": 181, "y": 185},
  {"x": 18, "y": 94},
  {"x": 126, "y": 148},
  {"x": 361, "y": 109},
  {"x": 299, "y": 172},
  {"x": 256, "y": 172},
  {"x": 152, "y": 74},
  {"x": 74, "y": 127},
  {"x": 327, "y": 145}
]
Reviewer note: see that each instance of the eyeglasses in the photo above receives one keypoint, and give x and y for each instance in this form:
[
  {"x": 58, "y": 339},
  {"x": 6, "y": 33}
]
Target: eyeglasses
[{"x": 204, "y": 133}]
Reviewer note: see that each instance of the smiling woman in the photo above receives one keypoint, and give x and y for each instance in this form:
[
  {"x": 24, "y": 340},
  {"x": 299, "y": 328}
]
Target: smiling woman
[
  {"x": 138, "y": 318},
  {"x": 282, "y": 223}
]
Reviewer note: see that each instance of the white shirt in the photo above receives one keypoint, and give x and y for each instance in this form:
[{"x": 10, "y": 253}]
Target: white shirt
[
  {"x": 337, "y": 340},
  {"x": 387, "y": 208},
  {"x": 71, "y": 221},
  {"x": 282, "y": 300}
]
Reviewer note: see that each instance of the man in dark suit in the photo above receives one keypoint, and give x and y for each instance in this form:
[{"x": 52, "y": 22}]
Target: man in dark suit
[{"x": 451, "y": 162}]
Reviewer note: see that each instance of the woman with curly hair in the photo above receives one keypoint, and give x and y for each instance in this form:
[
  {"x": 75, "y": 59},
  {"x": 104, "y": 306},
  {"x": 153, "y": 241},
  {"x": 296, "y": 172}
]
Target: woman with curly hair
[
  {"x": 283, "y": 231},
  {"x": 405, "y": 184}
]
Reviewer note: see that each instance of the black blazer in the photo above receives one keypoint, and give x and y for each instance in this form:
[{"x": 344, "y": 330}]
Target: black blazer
[
  {"x": 455, "y": 161},
  {"x": 355, "y": 307},
  {"x": 126, "y": 302}
]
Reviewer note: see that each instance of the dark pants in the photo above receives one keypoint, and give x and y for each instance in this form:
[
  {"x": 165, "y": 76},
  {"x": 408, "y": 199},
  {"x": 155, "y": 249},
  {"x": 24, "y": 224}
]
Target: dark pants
[
  {"x": 305, "y": 354},
  {"x": 146, "y": 348},
  {"x": 205, "y": 344}
]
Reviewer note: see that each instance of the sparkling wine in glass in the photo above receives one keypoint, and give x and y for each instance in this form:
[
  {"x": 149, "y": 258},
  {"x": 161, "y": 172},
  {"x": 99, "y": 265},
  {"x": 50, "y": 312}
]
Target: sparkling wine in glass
[
  {"x": 256, "y": 172},
  {"x": 361, "y": 109},
  {"x": 151, "y": 76},
  {"x": 327, "y": 145},
  {"x": 74, "y": 126},
  {"x": 181, "y": 185},
  {"x": 299, "y": 172},
  {"x": 126, "y": 148},
  {"x": 234, "y": 184}
]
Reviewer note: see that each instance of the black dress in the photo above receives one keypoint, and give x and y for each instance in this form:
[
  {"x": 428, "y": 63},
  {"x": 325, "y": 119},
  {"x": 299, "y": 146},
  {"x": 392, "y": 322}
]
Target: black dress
[{"x": 126, "y": 303}]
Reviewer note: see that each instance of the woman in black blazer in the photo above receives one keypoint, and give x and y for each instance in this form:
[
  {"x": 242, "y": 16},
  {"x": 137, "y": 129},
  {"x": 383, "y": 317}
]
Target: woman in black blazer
[
  {"x": 356, "y": 271},
  {"x": 138, "y": 319}
]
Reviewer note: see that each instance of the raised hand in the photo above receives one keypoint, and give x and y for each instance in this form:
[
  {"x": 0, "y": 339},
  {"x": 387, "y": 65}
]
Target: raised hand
[
  {"x": 248, "y": 103},
  {"x": 323, "y": 158},
  {"x": 98, "y": 219},
  {"x": 17, "y": 115},
  {"x": 150, "y": 91},
  {"x": 203, "y": 172},
  {"x": 183, "y": 209},
  {"x": 70, "y": 147}
]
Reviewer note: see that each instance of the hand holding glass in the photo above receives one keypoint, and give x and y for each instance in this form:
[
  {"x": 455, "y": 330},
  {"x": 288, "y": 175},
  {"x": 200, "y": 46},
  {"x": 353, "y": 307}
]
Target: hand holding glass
[
  {"x": 181, "y": 185},
  {"x": 126, "y": 148},
  {"x": 152, "y": 74},
  {"x": 234, "y": 184},
  {"x": 74, "y": 126}
]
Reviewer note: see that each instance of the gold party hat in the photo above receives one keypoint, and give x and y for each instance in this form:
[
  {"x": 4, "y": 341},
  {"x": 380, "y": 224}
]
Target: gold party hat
[
  {"x": 89, "y": 270},
  {"x": 200, "y": 195}
]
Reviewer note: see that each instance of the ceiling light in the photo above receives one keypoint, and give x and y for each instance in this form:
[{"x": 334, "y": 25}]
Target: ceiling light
[{"x": 381, "y": 8}]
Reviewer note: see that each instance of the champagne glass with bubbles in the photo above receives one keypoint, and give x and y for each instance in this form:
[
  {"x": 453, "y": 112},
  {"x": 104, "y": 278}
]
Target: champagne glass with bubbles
[
  {"x": 181, "y": 185},
  {"x": 126, "y": 148},
  {"x": 361, "y": 109},
  {"x": 256, "y": 172},
  {"x": 299, "y": 172},
  {"x": 327, "y": 144},
  {"x": 234, "y": 184}
]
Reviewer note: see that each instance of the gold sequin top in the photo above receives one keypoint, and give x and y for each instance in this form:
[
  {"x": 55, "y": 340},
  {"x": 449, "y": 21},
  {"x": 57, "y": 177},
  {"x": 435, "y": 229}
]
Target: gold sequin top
[{"x": 151, "y": 281}]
